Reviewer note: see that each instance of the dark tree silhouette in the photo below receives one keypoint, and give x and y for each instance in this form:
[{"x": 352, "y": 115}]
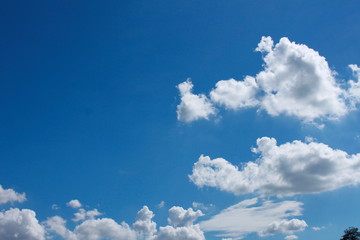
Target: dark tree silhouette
[{"x": 351, "y": 233}]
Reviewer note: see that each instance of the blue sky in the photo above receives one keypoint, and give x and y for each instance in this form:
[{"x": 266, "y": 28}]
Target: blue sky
[{"x": 91, "y": 111}]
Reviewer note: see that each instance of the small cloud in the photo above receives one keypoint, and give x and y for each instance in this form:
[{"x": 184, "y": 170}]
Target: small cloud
[
  {"x": 291, "y": 237},
  {"x": 309, "y": 139},
  {"x": 317, "y": 228},
  {"x": 202, "y": 206},
  {"x": 193, "y": 106},
  {"x": 74, "y": 203},
  {"x": 55, "y": 207},
  {"x": 82, "y": 214},
  {"x": 161, "y": 204}
]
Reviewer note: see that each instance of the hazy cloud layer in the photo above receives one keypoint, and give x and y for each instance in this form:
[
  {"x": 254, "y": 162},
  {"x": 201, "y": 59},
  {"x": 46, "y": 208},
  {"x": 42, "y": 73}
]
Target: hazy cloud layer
[
  {"x": 249, "y": 216},
  {"x": 295, "y": 81},
  {"x": 283, "y": 170},
  {"x": 9, "y": 195}
]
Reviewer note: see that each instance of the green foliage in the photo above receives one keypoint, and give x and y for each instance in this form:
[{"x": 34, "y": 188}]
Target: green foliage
[{"x": 351, "y": 233}]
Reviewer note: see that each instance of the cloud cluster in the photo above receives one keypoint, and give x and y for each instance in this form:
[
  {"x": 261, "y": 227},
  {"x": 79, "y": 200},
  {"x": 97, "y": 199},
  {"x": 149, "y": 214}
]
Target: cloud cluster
[
  {"x": 22, "y": 224},
  {"x": 236, "y": 221},
  {"x": 295, "y": 81},
  {"x": 248, "y": 216},
  {"x": 10, "y": 196},
  {"x": 285, "y": 170},
  {"x": 93, "y": 229},
  {"x": 181, "y": 227}
]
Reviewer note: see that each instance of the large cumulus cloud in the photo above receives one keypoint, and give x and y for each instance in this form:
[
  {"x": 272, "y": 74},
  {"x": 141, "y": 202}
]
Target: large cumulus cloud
[
  {"x": 282, "y": 170},
  {"x": 295, "y": 81},
  {"x": 16, "y": 224}
]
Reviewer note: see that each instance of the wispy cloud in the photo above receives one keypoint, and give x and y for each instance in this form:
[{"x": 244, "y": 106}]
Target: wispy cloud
[{"x": 250, "y": 216}]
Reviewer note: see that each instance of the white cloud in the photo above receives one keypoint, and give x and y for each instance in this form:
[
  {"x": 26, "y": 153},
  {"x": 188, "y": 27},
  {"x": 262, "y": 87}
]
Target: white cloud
[
  {"x": 16, "y": 224},
  {"x": 104, "y": 228},
  {"x": 57, "y": 225},
  {"x": 202, "y": 206},
  {"x": 182, "y": 225},
  {"x": 179, "y": 217},
  {"x": 83, "y": 214},
  {"x": 317, "y": 228},
  {"x": 193, "y": 107},
  {"x": 55, "y": 207},
  {"x": 291, "y": 237},
  {"x": 298, "y": 82},
  {"x": 161, "y": 204},
  {"x": 235, "y": 94},
  {"x": 192, "y": 232},
  {"x": 285, "y": 170},
  {"x": 353, "y": 92},
  {"x": 93, "y": 229},
  {"x": 144, "y": 224},
  {"x": 143, "y": 228},
  {"x": 265, "y": 45},
  {"x": 9, "y": 195},
  {"x": 74, "y": 203},
  {"x": 244, "y": 218},
  {"x": 285, "y": 227}
]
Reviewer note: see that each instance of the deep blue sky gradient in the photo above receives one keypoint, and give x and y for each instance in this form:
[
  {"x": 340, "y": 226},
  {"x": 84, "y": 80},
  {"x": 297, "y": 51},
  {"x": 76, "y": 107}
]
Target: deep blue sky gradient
[{"x": 88, "y": 99}]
